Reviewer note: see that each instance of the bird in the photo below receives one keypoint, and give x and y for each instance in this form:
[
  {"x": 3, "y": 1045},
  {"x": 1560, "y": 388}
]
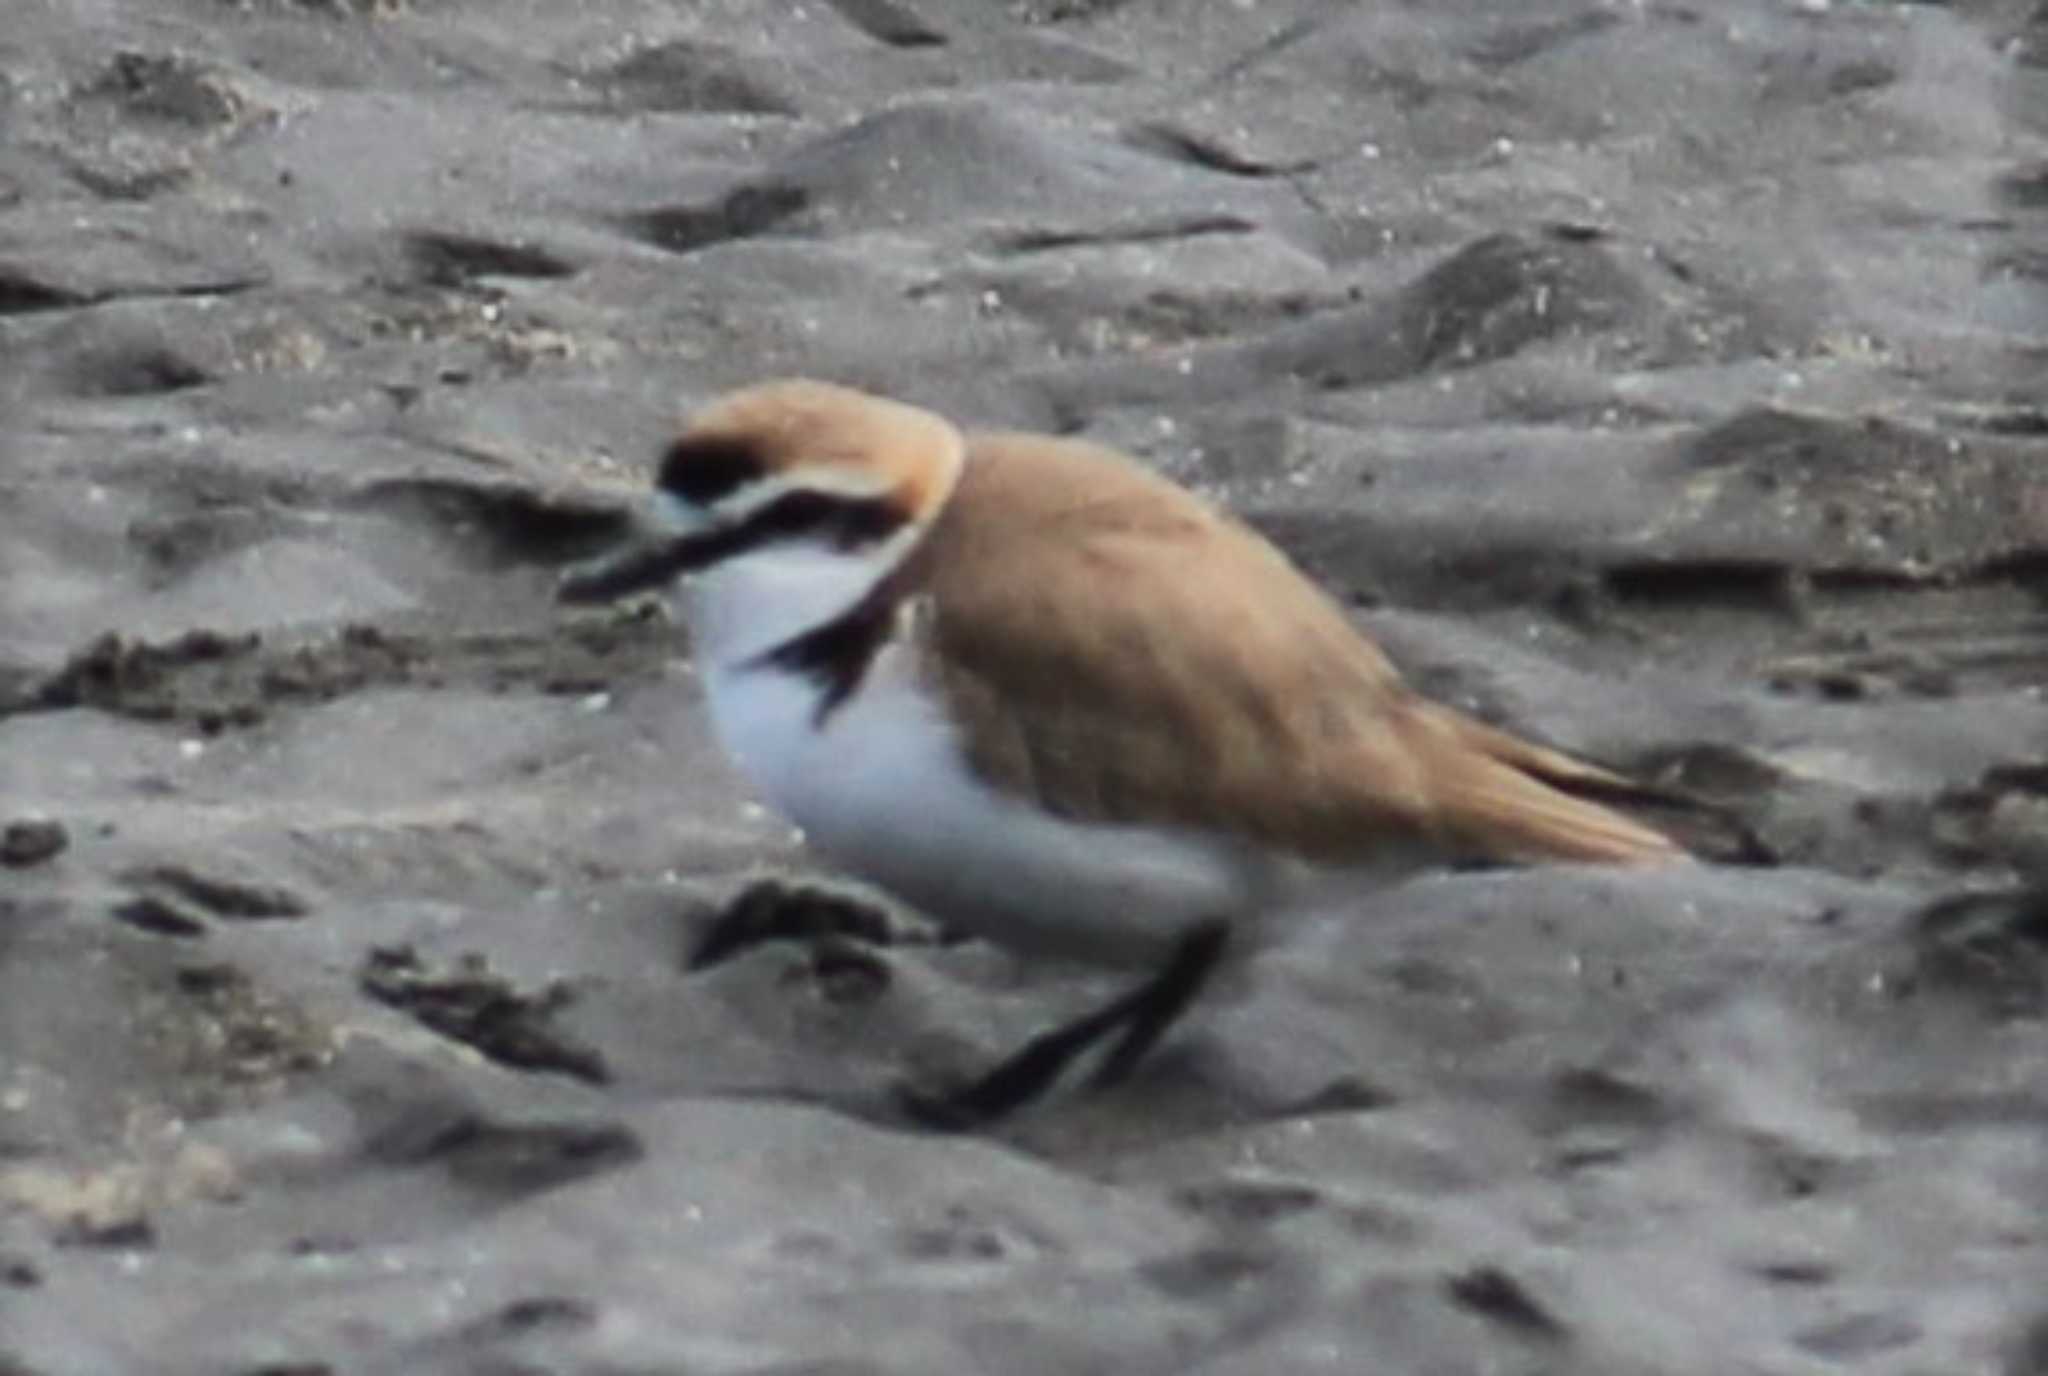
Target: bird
[{"x": 1047, "y": 695}]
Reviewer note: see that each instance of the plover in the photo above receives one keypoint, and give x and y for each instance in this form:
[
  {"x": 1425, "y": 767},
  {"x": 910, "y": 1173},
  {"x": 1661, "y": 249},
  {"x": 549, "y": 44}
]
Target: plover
[{"x": 1056, "y": 700}]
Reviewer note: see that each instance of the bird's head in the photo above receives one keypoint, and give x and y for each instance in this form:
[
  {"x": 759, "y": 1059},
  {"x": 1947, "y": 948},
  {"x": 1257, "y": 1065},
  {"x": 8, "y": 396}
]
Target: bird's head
[{"x": 790, "y": 499}]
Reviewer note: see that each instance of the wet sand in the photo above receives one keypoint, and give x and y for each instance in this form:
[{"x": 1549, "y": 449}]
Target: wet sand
[{"x": 1663, "y": 381}]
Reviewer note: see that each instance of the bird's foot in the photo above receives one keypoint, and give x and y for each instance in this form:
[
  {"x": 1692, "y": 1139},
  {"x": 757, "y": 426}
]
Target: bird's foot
[{"x": 1143, "y": 1014}]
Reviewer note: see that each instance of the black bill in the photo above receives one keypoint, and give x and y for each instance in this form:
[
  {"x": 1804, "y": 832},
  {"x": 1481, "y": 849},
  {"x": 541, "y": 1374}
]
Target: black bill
[{"x": 638, "y": 568}]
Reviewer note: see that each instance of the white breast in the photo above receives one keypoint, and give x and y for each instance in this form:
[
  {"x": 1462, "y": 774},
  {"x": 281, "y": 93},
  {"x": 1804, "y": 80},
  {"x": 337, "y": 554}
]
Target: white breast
[{"x": 882, "y": 789}]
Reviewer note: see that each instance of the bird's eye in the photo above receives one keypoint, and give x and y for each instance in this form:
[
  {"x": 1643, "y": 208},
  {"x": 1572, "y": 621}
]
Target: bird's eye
[
  {"x": 706, "y": 469},
  {"x": 844, "y": 522},
  {"x": 801, "y": 512}
]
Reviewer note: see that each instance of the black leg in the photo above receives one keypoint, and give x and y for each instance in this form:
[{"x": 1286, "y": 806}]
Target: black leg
[
  {"x": 1160, "y": 1003},
  {"x": 1145, "y": 1013},
  {"x": 1017, "y": 1081}
]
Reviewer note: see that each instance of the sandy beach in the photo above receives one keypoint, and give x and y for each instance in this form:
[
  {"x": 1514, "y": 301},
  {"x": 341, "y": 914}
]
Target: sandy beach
[{"x": 1660, "y": 380}]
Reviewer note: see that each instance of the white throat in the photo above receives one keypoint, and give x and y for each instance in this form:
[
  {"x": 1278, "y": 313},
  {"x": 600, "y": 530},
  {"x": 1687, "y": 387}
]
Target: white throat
[{"x": 750, "y": 604}]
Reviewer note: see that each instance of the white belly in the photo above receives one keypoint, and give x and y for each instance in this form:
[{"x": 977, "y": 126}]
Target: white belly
[{"x": 882, "y": 791}]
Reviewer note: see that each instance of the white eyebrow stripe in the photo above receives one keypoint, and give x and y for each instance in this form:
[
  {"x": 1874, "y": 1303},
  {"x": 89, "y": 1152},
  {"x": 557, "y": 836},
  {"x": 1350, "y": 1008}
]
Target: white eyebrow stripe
[
  {"x": 671, "y": 515},
  {"x": 833, "y": 482}
]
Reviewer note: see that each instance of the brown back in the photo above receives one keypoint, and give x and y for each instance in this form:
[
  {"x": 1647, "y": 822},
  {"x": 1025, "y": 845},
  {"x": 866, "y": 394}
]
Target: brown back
[{"x": 1209, "y": 685}]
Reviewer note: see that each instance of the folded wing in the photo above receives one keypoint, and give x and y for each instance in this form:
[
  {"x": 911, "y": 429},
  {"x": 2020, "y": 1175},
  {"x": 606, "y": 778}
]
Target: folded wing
[{"x": 1207, "y": 684}]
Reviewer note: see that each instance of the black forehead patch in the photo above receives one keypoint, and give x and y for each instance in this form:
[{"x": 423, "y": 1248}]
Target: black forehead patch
[{"x": 704, "y": 469}]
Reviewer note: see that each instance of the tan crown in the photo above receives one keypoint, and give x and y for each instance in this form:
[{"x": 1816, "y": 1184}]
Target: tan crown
[{"x": 823, "y": 437}]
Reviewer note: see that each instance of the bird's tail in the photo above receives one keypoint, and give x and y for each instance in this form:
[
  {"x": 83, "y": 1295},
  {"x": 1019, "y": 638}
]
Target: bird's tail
[{"x": 1510, "y": 799}]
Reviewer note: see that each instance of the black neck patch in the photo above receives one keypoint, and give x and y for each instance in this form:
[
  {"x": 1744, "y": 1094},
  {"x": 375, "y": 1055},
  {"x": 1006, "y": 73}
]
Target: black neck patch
[{"x": 837, "y": 655}]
